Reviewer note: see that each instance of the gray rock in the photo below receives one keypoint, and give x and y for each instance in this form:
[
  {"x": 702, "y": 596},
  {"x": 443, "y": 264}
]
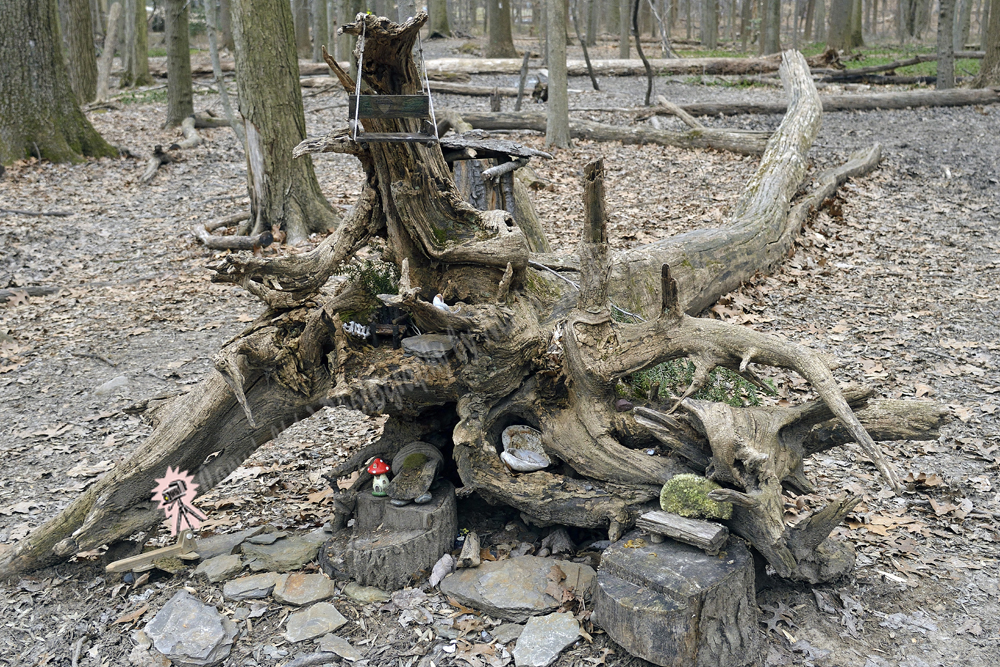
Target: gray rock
[
  {"x": 340, "y": 646},
  {"x": 220, "y": 568},
  {"x": 544, "y": 638},
  {"x": 429, "y": 346},
  {"x": 254, "y": 586},
  {"x": 366, "y": 594},
  {"x": 190, "y": 632},
  {"x": 112, "y": 385},
  {"x": 507, "y": 632},
  {"x": 287, "y": 554},
  {"x": 220, "y": 545},
  {"x": 267, "y": 538},
  {"x": 514, "y": 589},
  {"x": 313, "y": 622},
  {"x": 301, "y": 589}
]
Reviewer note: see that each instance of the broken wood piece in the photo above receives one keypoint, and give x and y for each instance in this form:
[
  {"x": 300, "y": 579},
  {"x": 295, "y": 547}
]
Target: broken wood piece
[
  {"x": 235, "y": 242},
  {"x": 504, "y": 168},
  {"x": 470, "y": 551},
  {"x": 191, "y": 136},
  {"x": 707, "y": 536},
  {"x": 159, "y": 157}
]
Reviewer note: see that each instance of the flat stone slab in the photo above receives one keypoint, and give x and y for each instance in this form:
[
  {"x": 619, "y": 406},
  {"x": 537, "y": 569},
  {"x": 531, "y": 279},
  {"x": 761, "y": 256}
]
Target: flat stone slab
[
  {"x": 673, "y": 604},
  {"x": 514, "y": 589},
  {"x": 301, "y": 589},
  {"x": 253, "y": 587},
  {"x": 340, "y": 646},
  {"x": 220, "y": 568},
  {"x": 286, "y": 554},
  {"x": 191, "y": 633},
  {"x": 222, "y": 545},
  {"x": 317, "y": 620},
  {"x": 429, "y": 346},
  {"x": 366, "y": 594},
  {"x": 544, "y": 638},
  {"x": 507, "y": 632}
]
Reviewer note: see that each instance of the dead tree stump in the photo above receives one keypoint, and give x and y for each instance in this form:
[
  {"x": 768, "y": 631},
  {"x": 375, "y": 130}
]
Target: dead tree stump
[
  {"x": 393, "y": 545},
  {"x": 672, "y": 604}
]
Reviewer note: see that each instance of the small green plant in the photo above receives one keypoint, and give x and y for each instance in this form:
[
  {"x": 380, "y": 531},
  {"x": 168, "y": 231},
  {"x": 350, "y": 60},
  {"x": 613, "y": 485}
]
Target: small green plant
[
  {"x": 674, "y": 376},
  {"x": 375, "y": 276},
  {"x": 155, "y": 96}
]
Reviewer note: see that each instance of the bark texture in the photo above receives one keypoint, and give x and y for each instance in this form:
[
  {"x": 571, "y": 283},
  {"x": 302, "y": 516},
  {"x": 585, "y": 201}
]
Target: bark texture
[
  {"x": 78, "y": 36},
  {"x": 989, "y": 71},
  {"x": 39, "y": 115},
  {"x": 439, "y": 25},
  {"x": 283, "y": 192},
  {"x": 180, "y": 96},
  {"x": 557, "y": 107},
  {"x": 135, "y": 48},
  {"x": 500, "y": 43}
]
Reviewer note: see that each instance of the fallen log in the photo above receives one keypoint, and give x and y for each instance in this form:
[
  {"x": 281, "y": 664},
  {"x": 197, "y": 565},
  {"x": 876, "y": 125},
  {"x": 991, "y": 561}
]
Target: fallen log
[
  {"x": 736, "y": 141},
  {"x": 897, "y": 64},
  {"x": 862, "y": 102},
  {"x": 660, "y": 66},
  {"x": 202, "y": 65},
  {"x": 446, "y": 87}
]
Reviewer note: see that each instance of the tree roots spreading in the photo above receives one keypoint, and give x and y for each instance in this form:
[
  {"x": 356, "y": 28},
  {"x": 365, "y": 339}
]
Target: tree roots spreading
[{"x": 526, "y": 348}]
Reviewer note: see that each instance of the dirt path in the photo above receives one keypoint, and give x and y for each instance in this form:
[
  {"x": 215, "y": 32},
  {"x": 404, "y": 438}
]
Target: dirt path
[{"x": 898, "y": 279}]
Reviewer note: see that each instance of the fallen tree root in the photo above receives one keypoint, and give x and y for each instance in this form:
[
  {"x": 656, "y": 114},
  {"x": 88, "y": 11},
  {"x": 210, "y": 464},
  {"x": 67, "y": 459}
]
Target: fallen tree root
[
  {"x": 204, "y": 234},
  {"x": 191, "y": 139}
]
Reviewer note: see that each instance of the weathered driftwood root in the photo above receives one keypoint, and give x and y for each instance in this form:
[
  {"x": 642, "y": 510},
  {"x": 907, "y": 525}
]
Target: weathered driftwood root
[
  {"x": 191, "y": 139},
  {"x": 528, "y": 348}
]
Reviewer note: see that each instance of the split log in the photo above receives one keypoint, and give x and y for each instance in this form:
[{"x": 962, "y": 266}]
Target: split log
[{"x": 736, "y": 141}]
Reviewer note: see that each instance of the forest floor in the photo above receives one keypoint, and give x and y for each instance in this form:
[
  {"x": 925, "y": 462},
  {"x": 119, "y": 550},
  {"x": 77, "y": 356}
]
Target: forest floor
[{"x": 897, "y": 278}]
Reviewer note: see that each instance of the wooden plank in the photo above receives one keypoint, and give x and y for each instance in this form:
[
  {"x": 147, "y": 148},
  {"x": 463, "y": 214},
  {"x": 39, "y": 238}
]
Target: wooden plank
[
  {"x": 705, "y": 535},
  {"x": 388, "y": 106}
]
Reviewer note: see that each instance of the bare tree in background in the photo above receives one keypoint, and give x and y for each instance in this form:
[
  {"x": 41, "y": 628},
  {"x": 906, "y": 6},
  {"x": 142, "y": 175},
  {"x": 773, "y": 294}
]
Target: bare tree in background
[
  {"x": 946, "y": 45},
  {"x": 78, "y": 37},
  {"x": 180, "y": 98},
  {"x": 557, "y": 107}
]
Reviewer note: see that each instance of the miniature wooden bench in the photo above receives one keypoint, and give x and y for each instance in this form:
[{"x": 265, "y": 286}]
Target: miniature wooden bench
[{"x": 707, "y": 536}]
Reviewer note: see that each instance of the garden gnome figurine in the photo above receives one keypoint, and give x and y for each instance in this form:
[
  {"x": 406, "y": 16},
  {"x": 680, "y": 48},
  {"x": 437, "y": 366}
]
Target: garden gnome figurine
[{"x": 379, "y": 468}]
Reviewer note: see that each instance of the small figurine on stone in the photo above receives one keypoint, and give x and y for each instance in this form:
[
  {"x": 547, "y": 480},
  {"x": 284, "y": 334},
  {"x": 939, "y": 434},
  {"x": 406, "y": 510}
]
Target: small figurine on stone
[{"x": 380, "y": 483}]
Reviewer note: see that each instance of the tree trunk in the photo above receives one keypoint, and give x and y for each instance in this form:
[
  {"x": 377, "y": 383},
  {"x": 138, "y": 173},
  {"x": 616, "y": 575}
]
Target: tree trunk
[
  {"x": 78, "y": 36},
  {"x": 710, "y": 24},
  {"x": 135, "y": 51},
  {"x": 527, "y": 348},
  {"x": 225, "y": 23},
  {"x": 624, "y": 12},
  {"x": 180, "y": 97},
  {"x": 810, "y": 13},
  {"x": 839, "y": 36},
  {"x": 857, "y": 38},
  {"x": 989, "y": 70},
  {"x": 771, "y": 27},
  {"x": 320, "y": 40},
  {"x": 946, "y": 45},
  {"x": 746, "y": 10},
  {"x": 108, "y": 52},
  {"x": 557, "y": 107},
  {"x": 39, "y": 114},
  {"x": 283, "y": 192},
  {"x": 440, "y": 26},
  {"x": 300, "y": 9},
  {"x": 500, "y": 43}
]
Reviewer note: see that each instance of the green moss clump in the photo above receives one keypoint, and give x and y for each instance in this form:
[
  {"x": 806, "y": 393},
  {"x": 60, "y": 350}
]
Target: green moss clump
[
  {"x": 414, "y": 461},
  {"x": 687, "y": 495}
]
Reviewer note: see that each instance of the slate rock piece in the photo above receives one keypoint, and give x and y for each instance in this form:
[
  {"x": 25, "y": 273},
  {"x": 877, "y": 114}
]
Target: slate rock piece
[
  {"x": 221, "y": 545},
  {"x": 286, "y": 554},
  {"x": 673, "y": 604},
  {"x": 191, "y": 633},
  {"x": 220, "y": 568},
  {"x": 365, "y": 594},
  {"x": 544, "y": 638},
  {"x": 429, "y": 346},
  {"x": 267, "y": 538},
  {"x": 252, "y": 587},
  {"x": 340, "y": 646},
  {"x": 317, "y": 620},
  {"x": 507, "y": 632},
  {"x": 514, "y": 589},
  {"x": 301, "y": 589}
]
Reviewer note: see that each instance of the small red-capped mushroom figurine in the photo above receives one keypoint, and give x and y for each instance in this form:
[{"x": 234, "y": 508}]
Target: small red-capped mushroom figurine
[{"x": 379, "y": 468}]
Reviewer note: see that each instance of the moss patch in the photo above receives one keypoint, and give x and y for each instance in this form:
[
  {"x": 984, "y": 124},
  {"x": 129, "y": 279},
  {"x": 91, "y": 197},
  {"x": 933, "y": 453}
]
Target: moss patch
[{"x": 687, "y": 495}]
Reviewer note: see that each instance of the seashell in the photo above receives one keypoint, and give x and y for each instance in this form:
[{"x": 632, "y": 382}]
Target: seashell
[{"x": 523, "y": 450}]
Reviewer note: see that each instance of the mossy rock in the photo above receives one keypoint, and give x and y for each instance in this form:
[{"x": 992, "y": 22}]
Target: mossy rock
[{"x": 687, "y": 495}]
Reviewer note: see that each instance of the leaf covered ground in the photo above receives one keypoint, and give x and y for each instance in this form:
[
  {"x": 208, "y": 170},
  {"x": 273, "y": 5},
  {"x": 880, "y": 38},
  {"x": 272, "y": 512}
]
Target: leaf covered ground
[{"x": 897, "y": 277}]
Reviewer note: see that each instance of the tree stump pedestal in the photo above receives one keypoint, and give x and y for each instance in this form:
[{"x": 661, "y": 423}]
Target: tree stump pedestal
[
  {"x": 390, "y": 545},
  {"x": 672, "y": 604}
]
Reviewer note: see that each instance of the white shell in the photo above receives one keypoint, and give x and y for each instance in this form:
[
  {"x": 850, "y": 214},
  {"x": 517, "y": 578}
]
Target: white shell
[{"x": 523, "y": 450}]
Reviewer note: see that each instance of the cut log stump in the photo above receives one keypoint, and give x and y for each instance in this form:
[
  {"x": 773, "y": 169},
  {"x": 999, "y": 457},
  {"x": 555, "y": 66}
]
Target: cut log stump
[
  {"x": 672, "y": 604},
  {"x": 392, "y": 545}
]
